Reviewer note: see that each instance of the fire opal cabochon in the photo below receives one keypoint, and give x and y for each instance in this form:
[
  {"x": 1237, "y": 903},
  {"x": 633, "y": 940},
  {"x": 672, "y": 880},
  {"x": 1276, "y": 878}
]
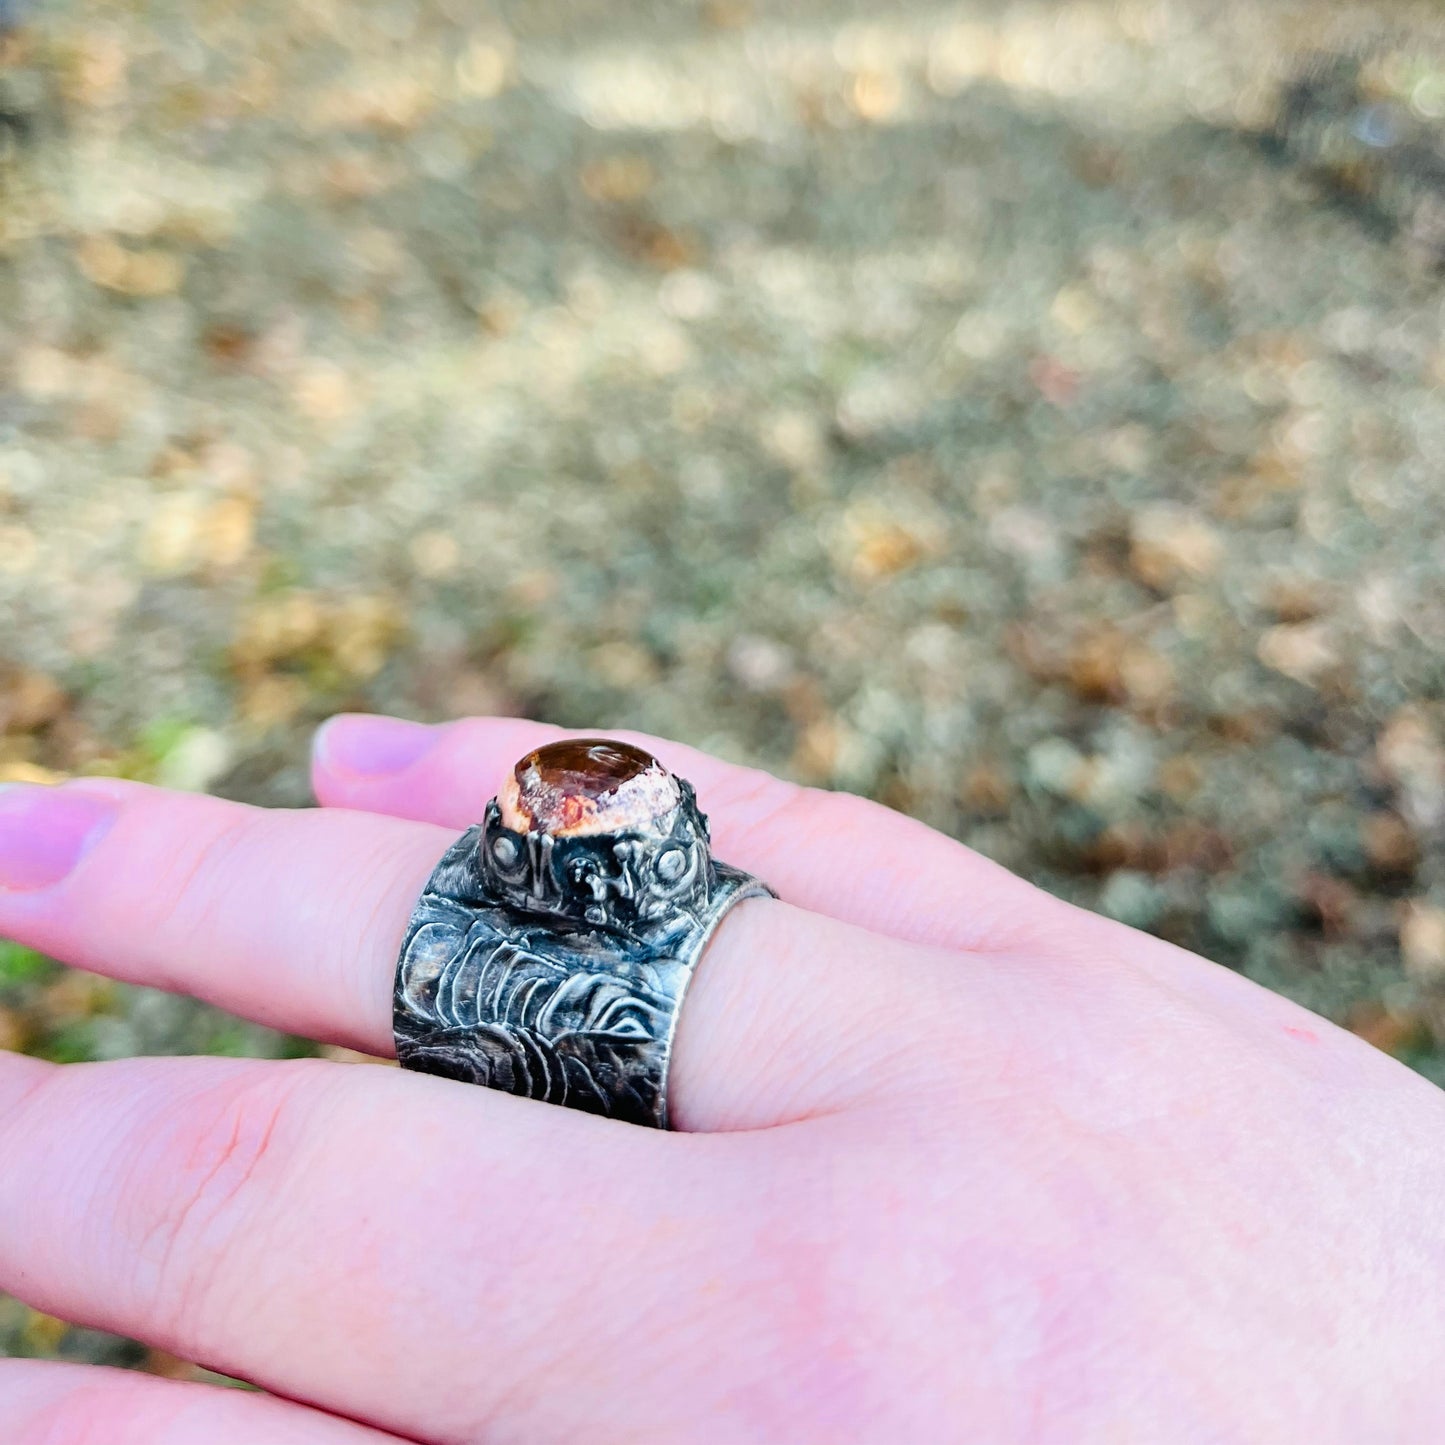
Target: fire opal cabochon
[{"x": 587, "y": 785}]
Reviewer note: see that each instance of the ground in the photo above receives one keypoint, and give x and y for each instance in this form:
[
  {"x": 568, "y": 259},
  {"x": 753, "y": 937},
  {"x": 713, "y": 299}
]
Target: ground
[{"x": 1032, "y": 415}]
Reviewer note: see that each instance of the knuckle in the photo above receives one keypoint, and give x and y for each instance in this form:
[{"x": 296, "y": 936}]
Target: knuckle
[
  {"x": 763, "y": 810},
  {"x": 200, "y": 1191},
  {"x": 191, "y": 884},
  {"x": 758, "y": 803}
]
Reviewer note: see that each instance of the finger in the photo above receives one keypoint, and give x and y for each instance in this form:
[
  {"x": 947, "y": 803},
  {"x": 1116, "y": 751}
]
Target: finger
[
  {"x": 50, "y": 1404},
  {"x": 832, "y": 853},
  {"x": 438, "y": 1261},
  {"x": 295, "y": 920}
]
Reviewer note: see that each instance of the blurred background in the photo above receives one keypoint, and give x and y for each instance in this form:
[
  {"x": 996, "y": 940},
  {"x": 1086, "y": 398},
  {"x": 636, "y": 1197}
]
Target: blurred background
[{"x": 1031, "y": 415}]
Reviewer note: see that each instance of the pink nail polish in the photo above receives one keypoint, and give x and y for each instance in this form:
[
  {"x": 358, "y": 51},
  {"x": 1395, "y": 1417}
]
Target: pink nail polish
[
  {"x": 45, "y": 832},
  {"x": 373, "y": 747}
]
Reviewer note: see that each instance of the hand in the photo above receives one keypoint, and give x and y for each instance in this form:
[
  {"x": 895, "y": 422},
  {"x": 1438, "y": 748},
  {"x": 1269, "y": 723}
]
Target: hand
[{"x": 960, "y": 1162}]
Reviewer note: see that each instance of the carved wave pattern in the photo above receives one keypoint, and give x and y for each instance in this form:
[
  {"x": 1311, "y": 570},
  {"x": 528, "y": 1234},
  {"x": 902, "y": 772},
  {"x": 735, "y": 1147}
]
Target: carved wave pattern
[
  {"x": 479, "y": 1005},
  {"x": 582, "y": 1016}
]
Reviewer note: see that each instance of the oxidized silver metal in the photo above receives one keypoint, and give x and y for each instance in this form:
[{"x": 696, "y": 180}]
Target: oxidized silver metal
[{"x": 554, "y": 967}]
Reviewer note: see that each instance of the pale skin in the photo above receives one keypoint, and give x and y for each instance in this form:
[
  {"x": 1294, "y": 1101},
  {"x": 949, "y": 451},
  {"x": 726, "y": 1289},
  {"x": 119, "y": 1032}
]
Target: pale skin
[{"x": 955, "y": 1161}]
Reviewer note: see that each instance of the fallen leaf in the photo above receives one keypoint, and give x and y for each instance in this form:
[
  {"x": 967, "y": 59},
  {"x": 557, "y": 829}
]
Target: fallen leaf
[
  {"x": 1303, "y": 651},
  {"x": 1422, "y": 941},
  {"x": 1171, "y": 545}
]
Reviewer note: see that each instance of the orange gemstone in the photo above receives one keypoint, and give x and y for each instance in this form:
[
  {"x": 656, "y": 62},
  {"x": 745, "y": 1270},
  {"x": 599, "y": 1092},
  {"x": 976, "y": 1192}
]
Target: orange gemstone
[
  {"x": 587, "y": 785},
  {"x": 587, "y": 767}
]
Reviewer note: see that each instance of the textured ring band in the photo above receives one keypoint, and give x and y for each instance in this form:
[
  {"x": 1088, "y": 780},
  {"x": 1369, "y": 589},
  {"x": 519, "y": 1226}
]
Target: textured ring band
[{"x": 550, "y": 951}]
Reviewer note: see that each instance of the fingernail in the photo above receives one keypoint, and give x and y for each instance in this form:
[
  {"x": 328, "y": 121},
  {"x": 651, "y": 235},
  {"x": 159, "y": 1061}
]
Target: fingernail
[
  {"x": 45, "y": 832},
  {"x": 373, "y": 747}
]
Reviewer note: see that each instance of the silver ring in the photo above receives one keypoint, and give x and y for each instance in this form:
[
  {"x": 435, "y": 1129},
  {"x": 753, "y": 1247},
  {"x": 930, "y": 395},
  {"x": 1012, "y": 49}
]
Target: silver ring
[{"x": 549, "y": 954}]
